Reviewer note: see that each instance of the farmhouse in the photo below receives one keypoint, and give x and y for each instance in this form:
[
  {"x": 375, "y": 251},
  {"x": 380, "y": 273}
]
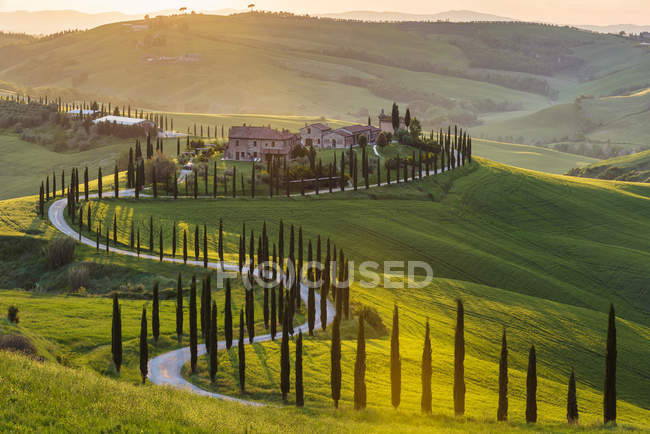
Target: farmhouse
[
  {"x": 122, "y": 120},
  {"x": 314, "y": 134},
  {"x": 386, "y": 122},
  {"x": 81, "y": 112},
  {"x": 348, "y": 136},
  {"x": 252, "y": 143}
]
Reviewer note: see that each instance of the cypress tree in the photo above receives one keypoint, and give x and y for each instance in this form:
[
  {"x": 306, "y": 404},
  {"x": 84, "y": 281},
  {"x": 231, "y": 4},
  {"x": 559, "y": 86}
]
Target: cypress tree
[
  {"x": 214, "y": 182},
  {"x": 155, "y": 313},
  {"x": 459, "y": 361},
  {"x": 253, "y": 181},
  {"x": 185, "y": 246},
  {"x": 609, "y": 400},
  {"x": 242, "y": 353},
  {"x": 250, "y": 315},
  {"x": 227, "y": 323},
  {"x": 115, "y": 230},
  {"x": 395, "y": 362},
  {"x": 311, "y": 297},
  {"x": 300, "y": 395},
  {"x": 41, "y": 201},
  {"x": 151, "y": 234},
  {"x": 335, "y": 355},
  {"x": 281, "y": 304},
  {"x": 116, "y": 182},
  {"x": 179, "y": 309},
  {"x": 160, "y": 244},
  {"x": 174, "y": 240},
  {"x": 205, "y": 246},
  {"x": 144, "y": 348},
  {"x": 273, "y": 314},
  {"x": 360, "y": 369},
  {"x": 502, "y": 412},
  {"x": 175, "y": 185},
  {"x": 531, "y": 387},
  {"x": 212, "y": 342},
  {"x": 425, "y": 403},
  {"x": 99, "y": 182},
  {"x": 284, "y": 355},
  {"x": 53, "y": 185},
  {"x": 234, "y": 182},
  {"x": 193, "y": 326},
  {"x": 138, "y": 242},
  {"x": 196, "y": 242},
  {"x": 572, "y": 401},
  {"x": 221, "y": 242},
  {"x": 116, "y": 334},
  {"x": 196, "y": 185}
]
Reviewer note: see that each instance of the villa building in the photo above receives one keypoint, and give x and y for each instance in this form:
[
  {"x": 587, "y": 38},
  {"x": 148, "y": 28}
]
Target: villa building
[
  {"x": 258, "y": 143},
  {"x": 314, "y": 134},
  {"x": 386, "y": 122},
  {"x": 349, "y": 135}
]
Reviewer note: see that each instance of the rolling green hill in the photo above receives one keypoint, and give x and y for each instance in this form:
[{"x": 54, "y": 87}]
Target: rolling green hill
[
  {"x": 635, "y": 167},
  {"x": 542, "y": 255},
  {"x": 281, "y": 64},
  {"x": 594, "y": 126}
]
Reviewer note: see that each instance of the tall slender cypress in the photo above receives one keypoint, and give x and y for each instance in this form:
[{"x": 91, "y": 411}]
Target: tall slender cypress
[
  {"x": 459, "y": 361},
  {"x": 179, "y": 309},
  {"x": 155, "y": 313},
  {"x": 335, "y": 360},
  {"x": 531, "y": 387},
  {"x": 273, "y": 314},
  {"x": 161, "y": 248},
  {"x": 196, "y": 242},
  {"x": 360, "y": 368},
  {"x": 221, "y": 242},
  {"x": 284, "y": 356},
  {"x": 185, "y": 246},
  {"x": 212, "y": 342},
  {"x": 242, "y": 353},
  {"x": 116, "y": 334},
  {"x": 193, "y": 327},
  {"x": 609, "y": 399},
  {"x": 205, "y": 246},
  {"x": 395, "y": 362},
  {"x": 174, "y": 240},
  {"x": 144, "y": 347},
  {"x": 502, "y": 411},
  {"x": 572, "y": 400},
  {"x": 425, "y": 402},
  {"x": 300, "y": 393},
  {"x": 227, "y": 322}
]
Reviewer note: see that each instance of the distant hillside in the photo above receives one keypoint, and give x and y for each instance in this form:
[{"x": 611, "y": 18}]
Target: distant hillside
[
  {"x": 454, "y": 16},
  {"x": 47, "y": 22},
  {"x": 635, "y": 167},
  {"x": 616, "y": 28},
  {"x": 598, "y": 127},
  {"x": 282, "y": 64}
]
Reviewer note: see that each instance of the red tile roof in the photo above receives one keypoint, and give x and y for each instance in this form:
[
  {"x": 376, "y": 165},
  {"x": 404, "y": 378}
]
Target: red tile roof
[{"x": 259, "y": 133}]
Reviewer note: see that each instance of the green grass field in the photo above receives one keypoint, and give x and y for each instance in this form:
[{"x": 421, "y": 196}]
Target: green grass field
[
  {"x": 547, "y": 276},
  {"x": 634, "y": 167}
]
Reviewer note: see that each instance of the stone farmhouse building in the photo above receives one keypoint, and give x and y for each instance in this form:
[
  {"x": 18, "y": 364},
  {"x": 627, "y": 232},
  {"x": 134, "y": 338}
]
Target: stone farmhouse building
[
  {"x": 259, "y": 143},
  {"x": 386, "y": 122},
  {"x": 321, "y": 136},
  {"x": 314, "y": 134}
]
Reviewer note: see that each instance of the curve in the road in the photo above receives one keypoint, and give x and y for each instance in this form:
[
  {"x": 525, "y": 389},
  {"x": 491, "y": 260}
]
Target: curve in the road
[{"x": 165, "y": 369}]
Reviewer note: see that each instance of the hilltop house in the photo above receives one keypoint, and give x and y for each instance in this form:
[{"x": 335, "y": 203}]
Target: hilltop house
[
  {"x": 349, "y": 135},
  {"x": 126, "y": 121},
  {"x": 314, "y": 134},
  {"x": 386, "y": 122},
  {"x": 252, "y": 143}
]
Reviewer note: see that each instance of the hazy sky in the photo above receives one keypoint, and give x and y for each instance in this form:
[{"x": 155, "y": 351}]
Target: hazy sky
[{"x": 557, "y": 11}]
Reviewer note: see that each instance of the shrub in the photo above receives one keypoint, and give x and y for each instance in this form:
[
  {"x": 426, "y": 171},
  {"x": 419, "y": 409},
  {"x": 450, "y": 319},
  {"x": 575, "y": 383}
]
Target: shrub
[
  {"x": 165, "y": 167},
  {"x": 12, "y": 314},
  {"x": 17, "y": 343},
  {"x": 78, "y": 277},
  {"x": 59, "y": 251}
]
